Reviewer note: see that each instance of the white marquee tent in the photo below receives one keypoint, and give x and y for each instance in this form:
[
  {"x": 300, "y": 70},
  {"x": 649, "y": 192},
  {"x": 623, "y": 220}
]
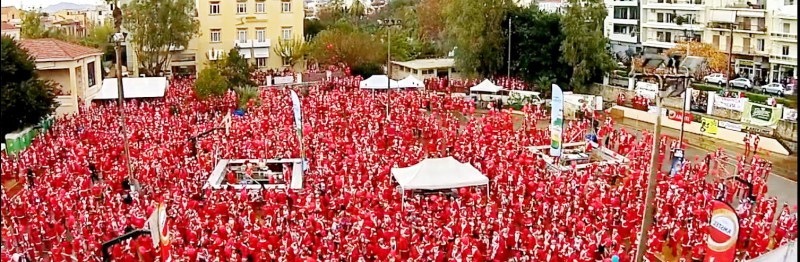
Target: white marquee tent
[
  {"x": 134, "y": 87},
  {"x": 410, "y": 81},
  {"x": 783, "y": 253},
  {"x": 439, "y": 173},
  {"x": 486, "y": 86},
  {"x": 378, "y": 82}
]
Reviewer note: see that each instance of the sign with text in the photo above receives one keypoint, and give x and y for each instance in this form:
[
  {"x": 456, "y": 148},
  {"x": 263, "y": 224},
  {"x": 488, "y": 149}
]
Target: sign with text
[
  {"x": 283, "y": 80},
  {"x": 761, "y": 115},
  {"x": 790, "y": 114},
  {"x": 709, "y": 126},
  {"x": 556, "y": 120},
  {"x": 730, "y": 103},
  {"x": 698, "y": 101},
  {"x": 677, "y": 116},
  {"x": 723, "y": 233},
  {"x": 729, "y": 125}
]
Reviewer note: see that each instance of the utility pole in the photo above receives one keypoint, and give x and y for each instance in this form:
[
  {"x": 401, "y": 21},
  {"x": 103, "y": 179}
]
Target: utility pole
[
  {"x": 509, "y": 47},
  {"x": 730, "y": 56},
  {"x": 649, "y": 206},
  {"x": 118, "y": 38},
  {"x": 388, "y": 23}
]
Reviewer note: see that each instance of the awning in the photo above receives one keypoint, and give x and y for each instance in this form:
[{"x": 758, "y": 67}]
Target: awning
[
  {"x": 134, "y": 87},
  {"x": 378, "y": 82},
  {"x": 486, "y": 86},
  {"x": 410, "y": 81},
  {"x": 439, "y": 173}
]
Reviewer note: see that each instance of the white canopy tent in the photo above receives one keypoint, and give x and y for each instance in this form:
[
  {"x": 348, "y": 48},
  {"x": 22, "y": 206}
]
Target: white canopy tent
[
  {"x": 378, "y": 82},
  {"x": 486, "y": 86},
  {"x": 783, "y": 253},
  {"x": 439, "y": 173},
  {"x": 134, "y": 87},
  {"x": 410, "y": 81}
]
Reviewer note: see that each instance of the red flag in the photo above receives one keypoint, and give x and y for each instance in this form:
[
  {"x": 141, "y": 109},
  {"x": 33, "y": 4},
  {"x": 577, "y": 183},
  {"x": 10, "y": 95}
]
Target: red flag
[{"x": 723, "y": 233}]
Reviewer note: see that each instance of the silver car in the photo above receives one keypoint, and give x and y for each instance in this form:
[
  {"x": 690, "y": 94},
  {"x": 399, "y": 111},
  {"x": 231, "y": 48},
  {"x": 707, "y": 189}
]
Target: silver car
[
  {"x": 773, "y": 88},
  {"x": 742, "y": 83}
]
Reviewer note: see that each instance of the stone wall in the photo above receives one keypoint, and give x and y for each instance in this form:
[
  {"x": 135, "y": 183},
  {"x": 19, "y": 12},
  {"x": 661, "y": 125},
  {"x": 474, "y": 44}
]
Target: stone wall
[{"x": 786, "y": 131}]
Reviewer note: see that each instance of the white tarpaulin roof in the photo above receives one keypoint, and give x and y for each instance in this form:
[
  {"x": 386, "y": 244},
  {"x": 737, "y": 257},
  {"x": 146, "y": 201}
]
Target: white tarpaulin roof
[
  {"x": 410, "y": 81},
  {"x": 486, "y": 86},
  {"x": 377, "y": 82},
  {"x": 783, "y": 253},
  {"x": 135, "y": 87},
  {"x": 439, "y": 173}
]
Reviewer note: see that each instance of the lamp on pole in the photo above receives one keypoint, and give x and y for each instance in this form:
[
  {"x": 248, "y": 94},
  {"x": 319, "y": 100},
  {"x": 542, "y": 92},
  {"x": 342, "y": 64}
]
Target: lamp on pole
[
  {"x": 508, "y": 73},
  {"x": 118, "y": 38},
  {"x": 651, "y": 62},
  {"x": 388, "y": 23}
]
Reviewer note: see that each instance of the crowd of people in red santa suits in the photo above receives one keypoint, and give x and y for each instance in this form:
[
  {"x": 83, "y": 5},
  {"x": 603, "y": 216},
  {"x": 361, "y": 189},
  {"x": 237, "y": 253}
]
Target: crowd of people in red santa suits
[{"x": 350, "y": 210}]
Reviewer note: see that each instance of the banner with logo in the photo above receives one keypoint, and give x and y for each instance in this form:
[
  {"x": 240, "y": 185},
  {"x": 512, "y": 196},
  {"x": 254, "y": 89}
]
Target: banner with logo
[
  {"x": 731, "y": 103},
  {"x": 677, "y": 116},
  {"x": 556, "y": 120},
  {"x": 709, "y": 126},
  {"x": 790, "y": 114},
  {"x": 730, "y": 126},
  {"x": 723, "y": 232},
  {"x": 283, "y": 80},
  {"x": 698, "y": 101},
  {"x": 761, "y": 115}
]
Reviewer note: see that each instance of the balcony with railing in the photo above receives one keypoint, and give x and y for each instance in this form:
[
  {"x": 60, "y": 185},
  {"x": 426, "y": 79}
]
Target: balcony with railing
[
  {"x": 783, "y": 59},
  {"x": 784, "y": 37},
  {"x": 252, "y": 43},
  {"x": 740, "y": 27},
  {"x": 697, "y": 5},
  {"x": 755, "y": 5},
  {"x": 746, "y": 50}
]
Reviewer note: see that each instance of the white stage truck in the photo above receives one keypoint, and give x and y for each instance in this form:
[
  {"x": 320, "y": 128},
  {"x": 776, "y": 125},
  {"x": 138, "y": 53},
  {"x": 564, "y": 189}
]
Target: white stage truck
[{"x": 256, "y": 174}]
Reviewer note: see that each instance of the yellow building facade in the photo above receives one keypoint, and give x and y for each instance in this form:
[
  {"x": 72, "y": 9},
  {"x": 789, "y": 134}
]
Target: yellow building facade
[{"x": 252, "y": 26}]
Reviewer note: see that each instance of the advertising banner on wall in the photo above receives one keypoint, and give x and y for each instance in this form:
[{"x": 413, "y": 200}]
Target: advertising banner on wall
[
  {"x": 678, "y": 115},
  {"x": 556, "y": 121},
  {"x": 698, "y": 101},
  {"x": 761, "y": 115},
  {"x": 709, "y": 126},
  {"x": 790, "y": 114},
  {"x": 283, "y": 80},
  {"x": 723, "y": 232},
  {"x": 730, "y": 126},
  {"x": 731, "y": 103}
]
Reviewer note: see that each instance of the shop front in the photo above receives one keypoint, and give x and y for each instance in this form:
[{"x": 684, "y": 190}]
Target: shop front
[
  {"x": 753, "y": 70},
  {"x": 783, "y": 73}
]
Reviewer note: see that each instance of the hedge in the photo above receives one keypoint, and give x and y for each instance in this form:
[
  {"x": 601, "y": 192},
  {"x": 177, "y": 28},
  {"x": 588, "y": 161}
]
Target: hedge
[{"x": 790, "y": 102}]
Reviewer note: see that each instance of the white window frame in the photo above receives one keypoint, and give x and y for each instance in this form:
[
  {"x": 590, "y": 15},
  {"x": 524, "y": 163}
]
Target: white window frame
[
  {"x": 241, "y": 8},
  {"x": 261, "y": 62},
  {"x": 213, "y": 8},
  {"x": 261, "y": 7},
  {"x": 286, "y": 31},
  {"x": 218, "y": 34},
  {"x": 241, "y": 35},
  {"x": 785, "y": 50},
  {"x": 286, "y": 7},
  {"x": 760, "y": 44},
  {"x": 787, "y": 27},
  {"x": 261, "y": 35}
]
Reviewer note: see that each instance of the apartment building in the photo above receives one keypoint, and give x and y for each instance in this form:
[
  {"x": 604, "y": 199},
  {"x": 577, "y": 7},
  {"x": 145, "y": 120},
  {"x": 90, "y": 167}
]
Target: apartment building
[
  {"x": 11, "y": 15},
  {"x": 660, "y": 25},
  {"x": 252, "y": 26},
  {"x": 761, "y": 36},
  {"x": 622, "y": 25}
]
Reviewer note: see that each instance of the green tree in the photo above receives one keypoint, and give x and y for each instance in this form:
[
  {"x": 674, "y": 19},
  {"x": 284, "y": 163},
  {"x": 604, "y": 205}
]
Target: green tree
[
  {"x": 584, "y": 45},
  {"x": 346, "y": 44},
  {"x": 236, "y": 70},
  {"x": 291, "y": 51},
  {"x": 32, "y": 27},
  {"x": 157, "y": 27},
  {"x": 210, "y": 83},
  {"x": 474, "y": 27},
  {"x": 245, "y": 94},
  {"x": 99, "y": 35},
  {"x": 536, "y": 38},
  {"x": 312, "y": 27},
  {"x": 26, "y": 99}
]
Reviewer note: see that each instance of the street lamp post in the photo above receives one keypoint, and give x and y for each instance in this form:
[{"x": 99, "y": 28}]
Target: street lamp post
[
  {"x": 388, "y": 23},
  {"x": 508, "y": 73},
  {"x": 649, "y": 211},
  {"x": 118, "y": 38}
]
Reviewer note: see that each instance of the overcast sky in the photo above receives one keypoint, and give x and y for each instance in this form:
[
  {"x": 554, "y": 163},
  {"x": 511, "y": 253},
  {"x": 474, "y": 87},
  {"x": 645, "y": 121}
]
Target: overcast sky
[{"x": 45, "y": 3}]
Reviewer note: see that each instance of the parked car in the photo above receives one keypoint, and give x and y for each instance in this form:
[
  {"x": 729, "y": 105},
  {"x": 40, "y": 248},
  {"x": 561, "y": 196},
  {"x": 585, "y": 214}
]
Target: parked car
[
  {"x": 742, "y": 83},
  {"x": 789, "y": 90},
  {"x": 716, "y": 78},
  {"x": 773, "y": 88}
]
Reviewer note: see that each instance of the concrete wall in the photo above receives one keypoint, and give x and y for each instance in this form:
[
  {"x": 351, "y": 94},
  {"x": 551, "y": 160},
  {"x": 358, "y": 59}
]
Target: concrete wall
[{"x": 786, "y": 131}]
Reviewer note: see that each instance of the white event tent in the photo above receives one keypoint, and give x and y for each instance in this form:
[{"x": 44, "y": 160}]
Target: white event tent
[
  {"x": 439, "y": 173},
  {"x": 783, "y": 253},
  {"x": 133, "y": 87},
  {"x": 486, "y": 86},
  {"x": 378, "y": 82},
  {"x": 410, "y": 81}
]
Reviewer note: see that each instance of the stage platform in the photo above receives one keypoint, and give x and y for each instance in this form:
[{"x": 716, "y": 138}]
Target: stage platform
[
  {"x": 263, "y": 170},
  {"x": 573, "y": 152}
]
